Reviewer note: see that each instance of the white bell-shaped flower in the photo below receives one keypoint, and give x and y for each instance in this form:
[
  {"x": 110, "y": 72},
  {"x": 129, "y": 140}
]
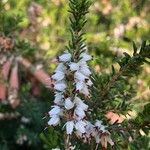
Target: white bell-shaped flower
[
  {"x": 54, "y": 120},
  {"x": 79, "y": 112},
  {"x": 61, "y": 67},
  {"x": 103, "y": 128},
  {"x": 85, "y": 57},
  {"x": 80, "y": 126},
  {"x": 85, "y": 70},
  {"x": 56, "y": 110},
  {"x": 65, "y": 57},
  {"x": 89, "y": 129},
  {"x": 68, "y": 103},
  {"x": 58, "y": 98},
  {"x": 98, "y": 124},
  {"x": 79, "y": 85},
  {"x": 97, "y": 138},
  {"x": 79, "y": 76},
  {"x": 58, "y": 76},
  {"x": 85, "y": 90},
  {"x": 74, "y": 66},
  {"x": 80, "y": 103},
  {"x": 60, "y": 86},
  {"x": 69, "y": 127}
]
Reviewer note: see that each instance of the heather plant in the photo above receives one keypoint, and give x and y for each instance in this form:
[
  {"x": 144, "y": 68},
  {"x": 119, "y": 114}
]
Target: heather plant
[{"x": 99, "y": 94}]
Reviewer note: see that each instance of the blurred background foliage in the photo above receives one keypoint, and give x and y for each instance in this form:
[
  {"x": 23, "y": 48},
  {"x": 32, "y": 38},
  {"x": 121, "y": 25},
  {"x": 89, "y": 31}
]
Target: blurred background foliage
[{"x": 40, "y": 30}]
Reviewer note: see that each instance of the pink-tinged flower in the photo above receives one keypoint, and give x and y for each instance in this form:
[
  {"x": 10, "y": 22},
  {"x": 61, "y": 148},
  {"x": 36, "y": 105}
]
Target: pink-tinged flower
[
  {"x": 56, "y": 110},
  {"x": 61, "y": 67},
  {"x": 79, "y": 134},
  {"x": 79, "y": 76},
  {"x": 80, "y": 126},
  {"x": 105, "y": 138},
  {"x": 65, "y": 57},
  {"x": 69, "y": 127},
  {"x": 85, "y": 90},
  {"x": 80, "y": 103},
  {"x": 58, "y": 98},
  {"x": 54, "y": 120},
  {"x": 68, "y": 103},
  {"x": 3, "y": 91},
  {"x": 85, "y": 57},
  {"x": 58, "y": 76},
  {"x": 97, "y": 138},
  {"x": 60, "y": 86},
  {"x": 74, "y": 66},
  {"x": 79, "y": 112}
]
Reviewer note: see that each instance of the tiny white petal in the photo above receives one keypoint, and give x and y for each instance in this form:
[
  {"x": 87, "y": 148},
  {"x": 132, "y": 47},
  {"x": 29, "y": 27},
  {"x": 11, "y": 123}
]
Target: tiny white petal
[
  {"x": 89, "y": 128},
  {"x": 54, "y": 121},
  {"x": 68, "y": 103},
  {"x": 80, "y": 103},
  {"x": 79, "y": 85},
  {"x": 82, "y": 63},
  {"x": 56, "y": 110},
  {"x": 80, "y": 126},
  {"x": 97, "y": 138},
  {"x": 79, "y": 76},
  {"x": 98, "y": 123},
  {"x": 61, "y": 67},
  {"x": 79, "y": 112},
  {"x": 65, "y": 57},
  {"x": 85, "y": 57},
  {"x": 58, "y": 98},
  {"x": 69, "y": 127},
  {"x": 85, "y": 70},
  {"x": 102, "y": 128},
  {"x": 60, "y": 86},
  {"x": 58, "y": 76},
  {"x": 85, "y": 90},
  {"x": 74, "y": 66}
]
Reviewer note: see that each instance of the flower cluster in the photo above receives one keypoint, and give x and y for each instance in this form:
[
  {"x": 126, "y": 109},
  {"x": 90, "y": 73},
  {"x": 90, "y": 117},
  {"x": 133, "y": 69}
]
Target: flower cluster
[
  {"x": 71, "y": 82},
  {"x": 97, "y": 131},
  {"x": 71, "y": 85}
]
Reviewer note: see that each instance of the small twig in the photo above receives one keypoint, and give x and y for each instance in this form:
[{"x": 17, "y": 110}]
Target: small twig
[
  {"x": 66, "y": 138},
  {"x": 96, "y": 148},
  {"x": 110, "y": 83}
]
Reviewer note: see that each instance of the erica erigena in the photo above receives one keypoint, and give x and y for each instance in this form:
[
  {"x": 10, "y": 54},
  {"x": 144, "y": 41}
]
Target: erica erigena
[{"x": 71, "y": 82}]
